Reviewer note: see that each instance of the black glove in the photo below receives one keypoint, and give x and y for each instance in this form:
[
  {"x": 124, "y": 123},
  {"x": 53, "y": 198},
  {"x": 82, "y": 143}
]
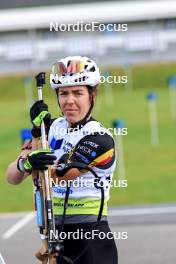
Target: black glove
[
  {"x": 38, "y": 113},
  {"x": 39, "y": 160}
]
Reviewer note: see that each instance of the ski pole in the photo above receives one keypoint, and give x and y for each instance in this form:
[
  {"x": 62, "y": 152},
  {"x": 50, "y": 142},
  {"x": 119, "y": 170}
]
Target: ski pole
[{"x": 53, "y": 245}]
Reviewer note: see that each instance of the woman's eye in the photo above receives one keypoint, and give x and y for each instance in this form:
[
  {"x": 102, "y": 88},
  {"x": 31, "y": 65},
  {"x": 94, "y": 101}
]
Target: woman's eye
[
  {"x": 78, "y": 93},
  {"x": 62, "y": 94}
]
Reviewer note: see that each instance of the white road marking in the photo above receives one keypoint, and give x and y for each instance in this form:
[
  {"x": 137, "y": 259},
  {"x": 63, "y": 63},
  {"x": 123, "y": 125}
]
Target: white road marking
[
  {"x": 17, "y": 226},
  {"x": 13, "y": 215},
  {"x": 1, "y": 259},
  {"x": 142, "y": 211},
  {"x": 154, "y": 210}
]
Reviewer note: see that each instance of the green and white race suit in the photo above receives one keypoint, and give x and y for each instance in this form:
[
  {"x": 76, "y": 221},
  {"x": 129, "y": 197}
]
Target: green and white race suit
[{"x": 93, "y": 145}]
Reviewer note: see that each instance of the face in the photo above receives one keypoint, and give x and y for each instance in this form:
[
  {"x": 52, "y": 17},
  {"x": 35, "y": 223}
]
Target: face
[{"x": 74, "y": 102}]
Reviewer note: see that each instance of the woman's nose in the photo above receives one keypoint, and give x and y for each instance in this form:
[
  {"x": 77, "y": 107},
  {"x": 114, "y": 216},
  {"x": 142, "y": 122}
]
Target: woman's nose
[{"x": 70, "y": 99}]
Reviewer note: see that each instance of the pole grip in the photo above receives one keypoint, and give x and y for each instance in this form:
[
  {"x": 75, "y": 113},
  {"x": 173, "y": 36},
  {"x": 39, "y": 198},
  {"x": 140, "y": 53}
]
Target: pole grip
[{"x": 40, "y": 79}]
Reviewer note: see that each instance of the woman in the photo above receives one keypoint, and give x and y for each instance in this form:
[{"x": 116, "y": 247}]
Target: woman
[{"x": 75, "y": 137}]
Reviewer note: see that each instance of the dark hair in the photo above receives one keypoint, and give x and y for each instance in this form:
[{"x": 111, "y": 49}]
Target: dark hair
[{"x": 92, "y": 89}]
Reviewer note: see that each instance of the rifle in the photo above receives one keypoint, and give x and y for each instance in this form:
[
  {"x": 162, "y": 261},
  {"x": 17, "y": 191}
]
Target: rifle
[{"x": 43, "y": 201}]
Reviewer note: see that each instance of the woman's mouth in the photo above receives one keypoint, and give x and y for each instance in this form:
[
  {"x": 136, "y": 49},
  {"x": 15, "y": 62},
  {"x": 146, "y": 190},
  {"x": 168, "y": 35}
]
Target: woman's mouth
[{"x": 70, "y": 110}]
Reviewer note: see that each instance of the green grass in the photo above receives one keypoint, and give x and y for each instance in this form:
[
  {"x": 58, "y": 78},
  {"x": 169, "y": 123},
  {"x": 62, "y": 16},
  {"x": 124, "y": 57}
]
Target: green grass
[{"x": 150, "y": 171}]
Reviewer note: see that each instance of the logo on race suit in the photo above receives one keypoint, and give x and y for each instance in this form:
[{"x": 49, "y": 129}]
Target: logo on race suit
[
  {"x": 85, "y": 149},
  {"x": 56, "y": 144},
  {"x": 82, "y": 157},
  {"x": 90, "y": 143},
  {"x": 67, "y": 147},
  {"x": 69, "y": 204},
  {"x": 61, "y": 190},
  {"x": 93, "y": 154}
]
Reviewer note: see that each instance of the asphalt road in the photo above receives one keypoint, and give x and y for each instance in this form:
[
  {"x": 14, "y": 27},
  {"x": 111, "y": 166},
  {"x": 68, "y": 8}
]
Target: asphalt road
[{"x": 151, "y": 235}]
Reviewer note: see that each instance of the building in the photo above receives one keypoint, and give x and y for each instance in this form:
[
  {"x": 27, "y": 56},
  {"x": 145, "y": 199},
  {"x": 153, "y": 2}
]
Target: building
[{"x": 126, "y": 32}]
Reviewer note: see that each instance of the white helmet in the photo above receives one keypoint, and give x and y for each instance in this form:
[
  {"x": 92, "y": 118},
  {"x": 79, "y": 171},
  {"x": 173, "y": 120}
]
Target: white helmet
[{"x": 87, "y": 73}]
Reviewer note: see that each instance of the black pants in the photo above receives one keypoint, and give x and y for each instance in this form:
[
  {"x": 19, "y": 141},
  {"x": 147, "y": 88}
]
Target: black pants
[{"x": 97, "y": 250}]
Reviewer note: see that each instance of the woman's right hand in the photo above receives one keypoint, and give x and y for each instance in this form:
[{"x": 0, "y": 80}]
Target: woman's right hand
[{"x": 38, "y": 113}]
